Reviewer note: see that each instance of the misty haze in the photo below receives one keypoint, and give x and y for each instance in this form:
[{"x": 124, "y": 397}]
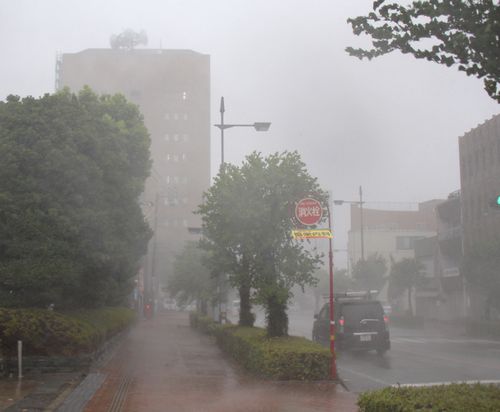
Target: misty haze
[{"x": 249, "y": 206}]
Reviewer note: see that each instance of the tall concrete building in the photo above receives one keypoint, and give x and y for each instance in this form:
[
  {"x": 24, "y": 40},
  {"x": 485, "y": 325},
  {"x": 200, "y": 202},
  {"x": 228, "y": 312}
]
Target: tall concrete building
[
  {"x": 480, "y": 182},
  {"x": 172, "y": 90}
]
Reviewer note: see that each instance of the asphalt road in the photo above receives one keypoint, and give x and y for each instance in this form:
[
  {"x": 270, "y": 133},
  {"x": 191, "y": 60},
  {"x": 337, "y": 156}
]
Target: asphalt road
[{"x": 419, "y": 356}]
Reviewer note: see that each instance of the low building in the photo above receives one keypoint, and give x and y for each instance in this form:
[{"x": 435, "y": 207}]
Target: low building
[{"x": 390, "y": 233}]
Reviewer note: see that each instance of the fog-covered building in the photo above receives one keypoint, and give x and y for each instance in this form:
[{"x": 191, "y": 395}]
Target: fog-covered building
[
  {"x": 480, "y": 183},
  {"x": 390, "y": 233},
  {"x": 172, "y": 90}
]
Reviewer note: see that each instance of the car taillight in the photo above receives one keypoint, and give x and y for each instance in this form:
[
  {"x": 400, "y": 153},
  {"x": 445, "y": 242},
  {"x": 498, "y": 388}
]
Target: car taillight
[
  {"x": 341, "y": 324},
  {"x": 386, "y": 320}
]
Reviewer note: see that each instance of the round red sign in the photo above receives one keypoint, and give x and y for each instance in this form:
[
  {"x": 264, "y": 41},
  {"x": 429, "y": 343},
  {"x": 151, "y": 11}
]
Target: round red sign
[{"x": 308, "y": 211}]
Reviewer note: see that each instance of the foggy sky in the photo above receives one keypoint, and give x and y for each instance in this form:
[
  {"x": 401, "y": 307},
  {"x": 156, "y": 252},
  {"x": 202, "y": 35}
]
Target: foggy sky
[{"x": 391, "y": 124}]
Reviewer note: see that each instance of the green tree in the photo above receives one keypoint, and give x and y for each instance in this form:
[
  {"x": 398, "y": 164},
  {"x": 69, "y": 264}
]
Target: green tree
[
  {"x": 480, "y": 266},
  {"x": 73, "y": 167},
  {"x": 406, "y": 275},
  {"x": 370, "y": 273},
  {"x": 191, "y": 280},
  {"x": 247, "y": 224},
  {"x": 463, "y": 33},
  {"x": 225, "y": 232}
]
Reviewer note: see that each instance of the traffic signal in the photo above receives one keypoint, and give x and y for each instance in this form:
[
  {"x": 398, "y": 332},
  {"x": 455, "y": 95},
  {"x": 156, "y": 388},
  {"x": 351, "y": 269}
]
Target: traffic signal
[{"x": 495, "y": 202}]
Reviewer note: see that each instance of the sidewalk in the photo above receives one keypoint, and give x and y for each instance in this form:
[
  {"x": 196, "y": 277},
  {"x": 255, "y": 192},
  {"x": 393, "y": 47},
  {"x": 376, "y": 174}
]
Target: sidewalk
[{"x": 164, "y": 365}]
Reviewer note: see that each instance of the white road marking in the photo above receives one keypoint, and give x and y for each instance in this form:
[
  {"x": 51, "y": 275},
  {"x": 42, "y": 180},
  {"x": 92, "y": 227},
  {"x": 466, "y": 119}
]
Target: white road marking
[
  {"x": 483, "y": 382},
  {"x": 364, "y": 375}
]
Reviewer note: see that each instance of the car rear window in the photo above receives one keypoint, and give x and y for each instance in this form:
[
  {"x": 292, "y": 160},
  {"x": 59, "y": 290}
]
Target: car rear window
[{"x": 355, "y": 312}]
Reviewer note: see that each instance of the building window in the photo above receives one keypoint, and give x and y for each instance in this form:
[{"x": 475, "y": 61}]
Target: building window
[
  {"x": 185, "y": 116},
  {"x": 184, "y": 95},
  {"x": 184, "y": 222},
  {"x": 168, "y": 157},
  {"x": 406, "y": 242},
  {"x": 185, "y": 138},
  {"x": 176, "y": 137},
  {"x": 183, "y": 157},
  {"x": 166, "y": 137},
  {"x": 167, "y": 116},
  {"x": 176, "y": 116}
]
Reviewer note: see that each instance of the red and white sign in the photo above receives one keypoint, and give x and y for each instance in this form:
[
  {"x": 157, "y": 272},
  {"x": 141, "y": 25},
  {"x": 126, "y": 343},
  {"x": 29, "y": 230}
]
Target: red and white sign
[{"x": 308, "y": 211}]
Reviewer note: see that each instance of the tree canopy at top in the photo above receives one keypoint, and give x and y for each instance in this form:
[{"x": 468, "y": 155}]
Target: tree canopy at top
[
  {"x": 465, "y": 33},
  {"x": 71, "y": 228}
]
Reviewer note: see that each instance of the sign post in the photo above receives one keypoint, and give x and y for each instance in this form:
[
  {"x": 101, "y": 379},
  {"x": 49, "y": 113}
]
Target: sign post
[{"x": 309, "y": 212}]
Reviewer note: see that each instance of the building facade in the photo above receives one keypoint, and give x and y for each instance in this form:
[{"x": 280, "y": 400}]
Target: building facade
[
  {"x": 480, "y": 182},
  {"x": 172, "y": 90},
  {"x": 390, "y": 233}
]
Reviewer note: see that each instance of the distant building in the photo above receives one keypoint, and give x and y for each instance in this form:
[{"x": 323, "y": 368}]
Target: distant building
[
  {"x": 452, "y": 301},
  {"x": 390, "y": 233},
  {"x": 172, "y": 90},
  {"x": 442, "y": 296},
  {"x": 480, "y": 181}
]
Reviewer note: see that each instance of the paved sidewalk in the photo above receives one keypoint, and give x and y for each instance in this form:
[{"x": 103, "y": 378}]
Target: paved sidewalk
[{"x": 164, "y": 365}]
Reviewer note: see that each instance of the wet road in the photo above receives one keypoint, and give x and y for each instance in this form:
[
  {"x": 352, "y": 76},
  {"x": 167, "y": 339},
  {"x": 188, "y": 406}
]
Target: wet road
[
  {"x": 416, "y": 357},
  {"x": 164, "y": 365}
]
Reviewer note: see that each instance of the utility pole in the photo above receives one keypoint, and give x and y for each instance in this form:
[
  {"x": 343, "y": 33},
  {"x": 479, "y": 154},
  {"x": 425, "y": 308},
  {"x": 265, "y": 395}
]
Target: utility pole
[{"x": 361, "y": 221}]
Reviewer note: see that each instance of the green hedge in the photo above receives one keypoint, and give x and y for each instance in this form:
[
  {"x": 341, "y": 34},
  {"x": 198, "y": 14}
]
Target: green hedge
[
  {"x": 284, "y": 358},
  {"x": 443, "y": 398},
  {"x": 203, "y": 323},
  {"x": 49, "y": 333}
]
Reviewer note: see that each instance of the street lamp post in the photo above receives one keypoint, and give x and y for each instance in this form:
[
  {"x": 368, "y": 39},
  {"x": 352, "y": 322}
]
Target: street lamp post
[
  {"x": 360, "y": 203},
  {"x": 258, "y": 126}
]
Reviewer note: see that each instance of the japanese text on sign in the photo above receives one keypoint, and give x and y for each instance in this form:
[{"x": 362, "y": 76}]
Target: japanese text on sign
[
  {"x": 308, "y": 211},
  {"x": 312, "y": 234}
]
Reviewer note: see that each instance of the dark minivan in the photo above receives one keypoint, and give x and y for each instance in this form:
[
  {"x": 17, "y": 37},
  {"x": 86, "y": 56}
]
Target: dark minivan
[{"x": 359, "y": 320}]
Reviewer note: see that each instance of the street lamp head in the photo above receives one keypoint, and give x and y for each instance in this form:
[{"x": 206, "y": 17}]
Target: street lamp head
[
  {"x": 338, "y": 202},
  {"x": 262, "y": 126}
]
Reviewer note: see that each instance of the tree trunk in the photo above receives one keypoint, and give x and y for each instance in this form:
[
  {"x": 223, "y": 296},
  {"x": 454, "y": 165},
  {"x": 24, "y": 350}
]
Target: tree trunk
[
  {"x": 203, "y": 306},
  {"x": 410, "y": 306},
  {"x": 247, "y": 318},
  {"x": 277, "y": 319}
]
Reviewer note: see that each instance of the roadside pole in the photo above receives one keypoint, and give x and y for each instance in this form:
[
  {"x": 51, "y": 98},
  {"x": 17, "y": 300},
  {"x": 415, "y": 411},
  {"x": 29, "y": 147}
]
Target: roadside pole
[
  {"x": 333, "y": 365},
  {"x": 309, "y": 212}
]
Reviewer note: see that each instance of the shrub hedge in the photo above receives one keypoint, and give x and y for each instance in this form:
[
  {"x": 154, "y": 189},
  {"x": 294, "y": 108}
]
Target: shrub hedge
[
  {"x": 50, "y": 333},
  {"x": 443, "y": 398},
  {"x": 284, "y": 358}
]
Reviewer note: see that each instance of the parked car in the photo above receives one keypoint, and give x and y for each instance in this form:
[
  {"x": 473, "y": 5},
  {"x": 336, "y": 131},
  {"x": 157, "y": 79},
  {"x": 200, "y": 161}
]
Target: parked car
[{"x": 360, "y": 323}]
